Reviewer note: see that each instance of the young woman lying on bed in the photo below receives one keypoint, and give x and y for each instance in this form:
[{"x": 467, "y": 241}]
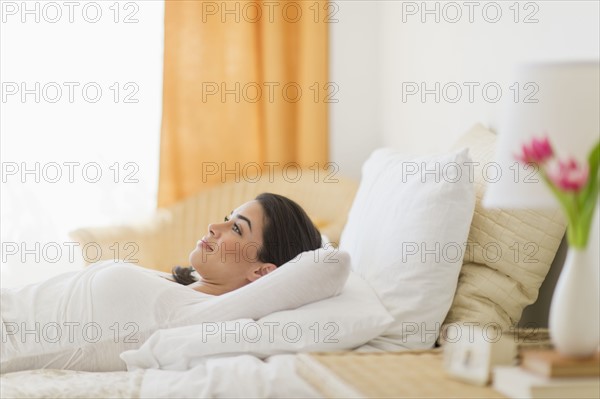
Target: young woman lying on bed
[{"x": 121, "y": 303}]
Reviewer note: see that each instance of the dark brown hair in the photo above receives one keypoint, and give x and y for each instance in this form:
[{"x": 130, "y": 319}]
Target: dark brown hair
[{"x": 287, "y": 232}]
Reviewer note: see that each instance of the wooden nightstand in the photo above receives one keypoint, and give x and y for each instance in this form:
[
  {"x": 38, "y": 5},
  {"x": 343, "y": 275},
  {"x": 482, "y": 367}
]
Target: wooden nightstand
[{"x": 410, "y": 374}]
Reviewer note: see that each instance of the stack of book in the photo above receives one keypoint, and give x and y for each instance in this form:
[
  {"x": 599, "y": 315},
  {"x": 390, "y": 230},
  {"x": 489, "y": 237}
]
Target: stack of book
[{"x": 547, "y": 374}]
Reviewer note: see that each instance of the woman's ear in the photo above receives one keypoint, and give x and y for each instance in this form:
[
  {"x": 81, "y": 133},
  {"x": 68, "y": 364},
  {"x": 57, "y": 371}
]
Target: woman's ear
[{"x": 261, "y": 270}]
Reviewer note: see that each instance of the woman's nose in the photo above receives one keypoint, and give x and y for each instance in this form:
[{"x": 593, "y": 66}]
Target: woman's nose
[{"x": 215, "y": 229}]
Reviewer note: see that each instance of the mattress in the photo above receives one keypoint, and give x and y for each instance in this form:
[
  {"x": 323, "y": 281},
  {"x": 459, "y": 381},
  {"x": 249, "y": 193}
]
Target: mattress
[{"x": 50, "y": 383}]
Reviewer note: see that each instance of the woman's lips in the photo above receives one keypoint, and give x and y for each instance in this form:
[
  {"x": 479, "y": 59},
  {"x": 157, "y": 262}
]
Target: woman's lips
[{"x": 206, "y": 245}]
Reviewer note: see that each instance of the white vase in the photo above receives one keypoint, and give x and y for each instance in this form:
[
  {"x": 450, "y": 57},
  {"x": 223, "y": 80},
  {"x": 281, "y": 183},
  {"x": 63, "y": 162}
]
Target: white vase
[{"x": 575, "y": 309}]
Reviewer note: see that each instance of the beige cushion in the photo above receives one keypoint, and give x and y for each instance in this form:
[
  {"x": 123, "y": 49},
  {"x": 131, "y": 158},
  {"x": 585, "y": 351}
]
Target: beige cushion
[
  {"x": 509, "y": 251},
  {"x": 166, "y": 239}
]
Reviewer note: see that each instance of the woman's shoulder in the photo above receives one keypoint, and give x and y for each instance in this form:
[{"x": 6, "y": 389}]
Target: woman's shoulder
[
  {"x": 122, "y": 267},
  {"x": 121, "y": 263}
]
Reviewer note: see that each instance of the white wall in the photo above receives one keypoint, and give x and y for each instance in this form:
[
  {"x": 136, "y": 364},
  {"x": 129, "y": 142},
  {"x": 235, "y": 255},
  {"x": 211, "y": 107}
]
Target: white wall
[
  {"x": 379, "y": 46},
  {"x": 355, "y": 52},
  {"x": 481, "y": 52}
]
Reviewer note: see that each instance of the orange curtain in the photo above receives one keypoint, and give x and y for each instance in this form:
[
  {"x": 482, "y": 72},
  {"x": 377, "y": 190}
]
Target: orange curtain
[{"x": 245, "y": 83}]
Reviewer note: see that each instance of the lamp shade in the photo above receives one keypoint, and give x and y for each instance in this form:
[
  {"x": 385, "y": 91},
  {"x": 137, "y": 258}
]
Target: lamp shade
[{"x": 559, "y": 101}]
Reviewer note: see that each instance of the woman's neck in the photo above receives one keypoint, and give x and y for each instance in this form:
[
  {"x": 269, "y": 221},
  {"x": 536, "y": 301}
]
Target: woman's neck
[{"x": 210, "y": 288}]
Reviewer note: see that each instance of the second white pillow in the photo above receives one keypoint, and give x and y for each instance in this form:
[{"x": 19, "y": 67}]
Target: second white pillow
[{"x": 406, "y": 234}]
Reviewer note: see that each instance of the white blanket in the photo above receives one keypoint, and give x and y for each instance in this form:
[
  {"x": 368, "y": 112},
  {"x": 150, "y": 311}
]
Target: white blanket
[{"x": 236, "y": 376}]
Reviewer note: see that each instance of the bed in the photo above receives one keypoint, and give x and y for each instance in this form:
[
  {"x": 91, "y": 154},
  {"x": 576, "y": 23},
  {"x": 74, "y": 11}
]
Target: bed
[
  {"x": 241, "y": 376},
  {"x": 448, "y": 263}
]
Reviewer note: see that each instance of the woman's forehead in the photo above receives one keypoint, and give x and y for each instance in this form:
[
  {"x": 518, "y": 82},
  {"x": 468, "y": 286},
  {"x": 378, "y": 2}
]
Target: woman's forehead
[
  {"x": 251, "y": 210},
  {"x": 252, "y": 207}
]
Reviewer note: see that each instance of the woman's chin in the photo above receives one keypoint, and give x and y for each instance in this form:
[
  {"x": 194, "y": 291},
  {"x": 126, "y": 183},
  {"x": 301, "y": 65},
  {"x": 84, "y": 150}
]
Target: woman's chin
[{"x": 195, "y": 257}]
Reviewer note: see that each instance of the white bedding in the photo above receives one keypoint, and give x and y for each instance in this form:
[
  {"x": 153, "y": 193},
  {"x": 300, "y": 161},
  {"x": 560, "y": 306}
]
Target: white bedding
[
  {"x": 93, "y": 372},
  {"x": 234, "y": 376}
]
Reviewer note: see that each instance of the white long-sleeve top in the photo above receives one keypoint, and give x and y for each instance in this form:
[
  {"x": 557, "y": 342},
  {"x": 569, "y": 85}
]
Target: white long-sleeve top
[{"x": 52, "y": 324}]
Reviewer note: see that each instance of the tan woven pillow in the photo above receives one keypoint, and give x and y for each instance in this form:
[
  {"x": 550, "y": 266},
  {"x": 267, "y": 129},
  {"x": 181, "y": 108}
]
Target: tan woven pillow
[{"x": 509, "y": 251}]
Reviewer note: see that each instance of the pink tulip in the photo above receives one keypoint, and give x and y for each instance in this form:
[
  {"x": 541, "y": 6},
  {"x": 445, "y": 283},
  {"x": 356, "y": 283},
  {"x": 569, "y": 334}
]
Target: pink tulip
[
  {"x": 538, "y": 151},
  {"x": 569, "y": 176}
]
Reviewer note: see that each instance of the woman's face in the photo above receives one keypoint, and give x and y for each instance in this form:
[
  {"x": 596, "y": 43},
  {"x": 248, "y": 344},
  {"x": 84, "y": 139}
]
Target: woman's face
[{"x": 227, "y": 254}]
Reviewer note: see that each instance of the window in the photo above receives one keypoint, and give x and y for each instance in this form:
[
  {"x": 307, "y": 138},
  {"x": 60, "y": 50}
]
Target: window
[{"x": 81, "y": 86}]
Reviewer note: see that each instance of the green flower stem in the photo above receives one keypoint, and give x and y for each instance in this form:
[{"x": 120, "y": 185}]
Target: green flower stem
[{"x": 579, "y": 220}]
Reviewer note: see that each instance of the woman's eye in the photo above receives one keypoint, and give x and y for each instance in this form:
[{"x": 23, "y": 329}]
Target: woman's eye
[{"x": 235, "y": 227}]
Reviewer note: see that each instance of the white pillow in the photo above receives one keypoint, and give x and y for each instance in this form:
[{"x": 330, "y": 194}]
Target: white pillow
[
  {"x": 310, "y": 277},
  {"x": 406, "y": 234},
  {"x": 342, "y": 322}
]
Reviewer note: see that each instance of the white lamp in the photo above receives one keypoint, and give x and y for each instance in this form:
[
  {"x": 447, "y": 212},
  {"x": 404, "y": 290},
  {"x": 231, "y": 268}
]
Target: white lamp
[
  {"x": 563, "y": 104},
  {"x": 567, "y": 111}
]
